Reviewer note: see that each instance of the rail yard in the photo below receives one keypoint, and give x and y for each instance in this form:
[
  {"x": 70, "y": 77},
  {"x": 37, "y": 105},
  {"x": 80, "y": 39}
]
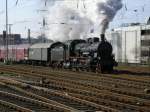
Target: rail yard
[
  {"x": 26, "y": 88},
  {"x": 74, "y": 56}
]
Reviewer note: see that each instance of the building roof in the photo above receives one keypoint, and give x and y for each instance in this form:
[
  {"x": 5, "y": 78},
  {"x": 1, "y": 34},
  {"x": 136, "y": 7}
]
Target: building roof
[
  {"x": 41, "y": 45},
  {"x": 133, "y": 28},
  {"x": 20, "y": 46},
  {"x": 23, "y": 46}
]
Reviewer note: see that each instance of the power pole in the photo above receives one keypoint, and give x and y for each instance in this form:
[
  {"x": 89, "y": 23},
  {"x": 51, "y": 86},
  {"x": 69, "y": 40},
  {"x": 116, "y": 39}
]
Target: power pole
[
  {"x": 6, "y": 30},
  {"x": 4, "y": 38},
  {"x": 44, "y": 23},
  {"x": 10, "y": 40},
  {"x": 29, "y": 37},
  {"x": 10, "y": 25}
]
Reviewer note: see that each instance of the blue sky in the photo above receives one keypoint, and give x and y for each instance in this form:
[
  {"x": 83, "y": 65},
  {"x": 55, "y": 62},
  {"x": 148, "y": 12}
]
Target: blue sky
[
  {"x": 26, "y": 15},
  {"x": 23, "y": 16},
  {"x": 128, "y": 14}
]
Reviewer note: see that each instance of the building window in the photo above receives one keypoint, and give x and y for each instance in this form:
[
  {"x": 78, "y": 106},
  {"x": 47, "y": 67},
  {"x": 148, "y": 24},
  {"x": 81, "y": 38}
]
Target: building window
[
  {"x": 145, "y": 42},
  {"x": 145, "y": 53},
  {"x": 145, "y": 32}
]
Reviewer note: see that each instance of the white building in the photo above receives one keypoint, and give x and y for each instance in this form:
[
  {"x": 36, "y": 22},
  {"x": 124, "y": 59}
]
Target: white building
[{"x": 131, "y": 44}]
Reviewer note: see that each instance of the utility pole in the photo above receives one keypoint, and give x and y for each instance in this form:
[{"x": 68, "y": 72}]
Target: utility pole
[
  {"x": 10, "y": 25},
  {"x": 10, "y": 40},
  {"x": 44, "y": 23},
  {"x": 6, "y": 30},
  {"x": 29, "y": 36}
]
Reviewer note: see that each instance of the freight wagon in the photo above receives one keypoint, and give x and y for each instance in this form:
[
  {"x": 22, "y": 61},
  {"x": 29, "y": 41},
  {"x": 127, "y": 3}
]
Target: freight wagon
[{"x": 46, "y": 53}]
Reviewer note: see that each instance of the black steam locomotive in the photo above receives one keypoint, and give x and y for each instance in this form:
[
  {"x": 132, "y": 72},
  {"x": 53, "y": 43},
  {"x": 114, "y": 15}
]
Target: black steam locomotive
[{"x": 90, "y": 55}]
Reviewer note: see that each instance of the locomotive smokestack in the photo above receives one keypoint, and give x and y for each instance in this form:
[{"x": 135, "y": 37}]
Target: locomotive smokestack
[{"x": 102, "y": 37}]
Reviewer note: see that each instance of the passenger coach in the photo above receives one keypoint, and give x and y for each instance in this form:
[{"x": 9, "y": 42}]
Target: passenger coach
[{"x": 16, "y": 53}]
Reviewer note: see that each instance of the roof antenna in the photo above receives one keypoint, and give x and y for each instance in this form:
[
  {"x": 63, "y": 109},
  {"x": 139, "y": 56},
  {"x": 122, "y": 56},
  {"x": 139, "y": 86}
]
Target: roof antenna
[
  {"x": 77, "y": 4},
  {"x": 84, "y": 5},
  {"x": 45, "y": 3},
  {"x": 83, "y": 1}
]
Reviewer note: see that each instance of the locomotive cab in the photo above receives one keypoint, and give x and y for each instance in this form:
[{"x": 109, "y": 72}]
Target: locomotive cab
[{"x": 57, "y": 54}]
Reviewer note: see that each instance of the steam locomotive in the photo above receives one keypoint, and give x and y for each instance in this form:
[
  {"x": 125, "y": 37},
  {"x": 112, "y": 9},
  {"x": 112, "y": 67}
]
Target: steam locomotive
[{"x": 90, "y": 54}]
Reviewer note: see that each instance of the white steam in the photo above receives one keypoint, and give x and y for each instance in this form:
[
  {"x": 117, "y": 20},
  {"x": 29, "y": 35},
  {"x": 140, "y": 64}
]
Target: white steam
[{"x": 73, "y": 20}]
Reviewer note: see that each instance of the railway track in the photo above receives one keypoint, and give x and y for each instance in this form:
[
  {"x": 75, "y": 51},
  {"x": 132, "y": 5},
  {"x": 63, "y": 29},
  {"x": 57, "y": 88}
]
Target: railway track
[
  {"x": 76, "y": 103},
  {"x": 24, "y": 102},
  {"x": 31, "y": 105},
  {"x": 9, "y": 107},
  {"x": 101, "y": 80},
  {"x": 100, "y": 98},
  {"x": 130, "y": 72},
  {"x": 139, "y": 84},
  {"x": 8, "y": 87},
  {"x": 94, "y": 90},
  {"x": 144, "y": 79}
]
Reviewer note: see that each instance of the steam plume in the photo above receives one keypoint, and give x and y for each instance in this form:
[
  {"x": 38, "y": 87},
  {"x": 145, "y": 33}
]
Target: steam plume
[
  {"x": 108, "y": 10},
  {"x": 67, "y": 21}
]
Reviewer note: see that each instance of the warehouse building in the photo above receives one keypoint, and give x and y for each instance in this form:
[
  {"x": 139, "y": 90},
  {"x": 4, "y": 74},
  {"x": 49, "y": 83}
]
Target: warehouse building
[{"x": 131, "y": 44}]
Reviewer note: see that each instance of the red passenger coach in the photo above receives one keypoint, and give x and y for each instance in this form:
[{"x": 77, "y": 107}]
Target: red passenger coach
[
  {"x": 16, "y": 53},
  {"x": 2, "y": 53},
  {"x": 22, "y": 52}
]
